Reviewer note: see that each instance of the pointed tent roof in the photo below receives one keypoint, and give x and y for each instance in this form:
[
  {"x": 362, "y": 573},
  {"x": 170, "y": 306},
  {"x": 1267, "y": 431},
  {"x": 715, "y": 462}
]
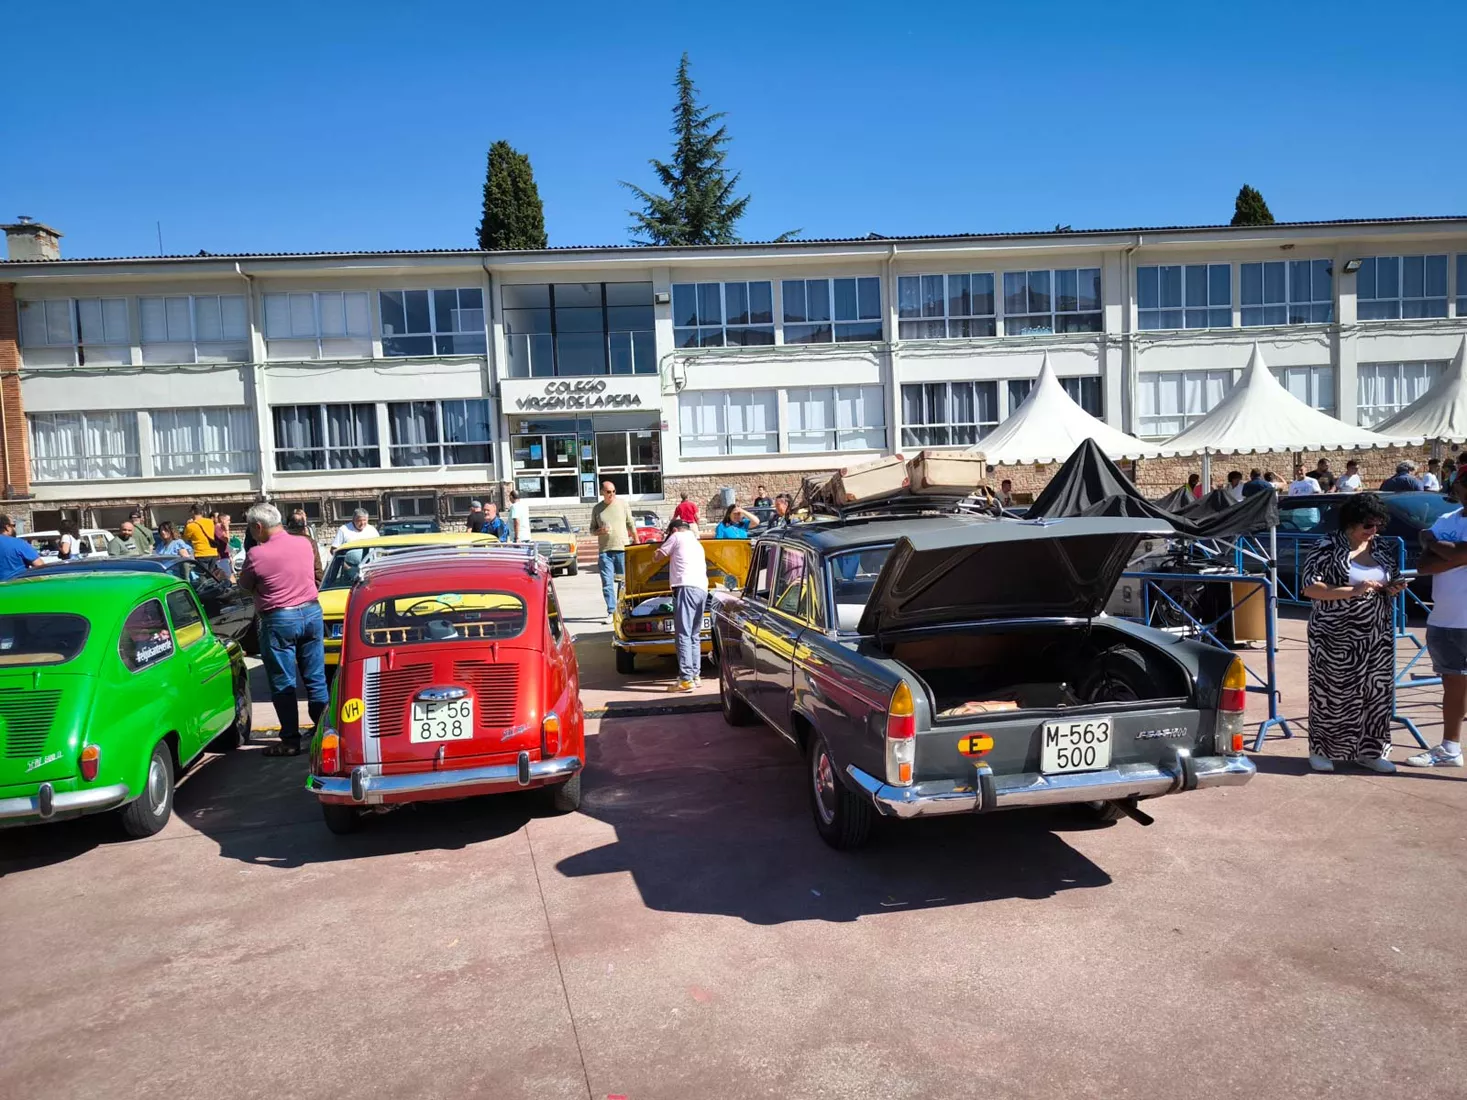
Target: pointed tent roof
[
  {"x": 1049, "y": 424},
  {"x": 1439, "y": 413},
  {"x": 1258, "y": 414}
]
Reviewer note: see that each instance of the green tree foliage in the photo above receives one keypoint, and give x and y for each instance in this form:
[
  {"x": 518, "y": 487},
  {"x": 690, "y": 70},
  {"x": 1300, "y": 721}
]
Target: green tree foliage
[
  {"x": 699, "y": 206},
  {"x": 1250, "y": 209},
  {"x": 513, "y": 214}
]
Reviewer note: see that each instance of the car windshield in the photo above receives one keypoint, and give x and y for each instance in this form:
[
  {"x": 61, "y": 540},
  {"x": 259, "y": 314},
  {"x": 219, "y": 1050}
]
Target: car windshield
[
  {"x": 444, "y": 617},
  {"x": 853, "y": 575},
  {"x": 1420, "y": 509},
  {"x": 41, "y": 639},
  {"x": 555, "y": 525}
]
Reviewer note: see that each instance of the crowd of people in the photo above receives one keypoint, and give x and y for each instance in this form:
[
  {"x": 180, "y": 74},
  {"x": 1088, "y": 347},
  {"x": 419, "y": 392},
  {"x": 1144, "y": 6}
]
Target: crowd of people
[{"x": 1437, "y": 476}]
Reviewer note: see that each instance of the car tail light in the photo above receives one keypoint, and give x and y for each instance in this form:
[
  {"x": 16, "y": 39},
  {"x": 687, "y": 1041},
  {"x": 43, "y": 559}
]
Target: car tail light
[
  {"x": 330, "y": 753},
  {"x": 90, "y": 762},
  {"x": 1230, "y": 707},
  {"x": 550, "y": 735},
  {"x": 901, "y": 737}
]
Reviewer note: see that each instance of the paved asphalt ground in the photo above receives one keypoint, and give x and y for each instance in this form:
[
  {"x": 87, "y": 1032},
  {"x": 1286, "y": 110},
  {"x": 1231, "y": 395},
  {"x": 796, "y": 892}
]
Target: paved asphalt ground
[{"x": 687, "y": 935}]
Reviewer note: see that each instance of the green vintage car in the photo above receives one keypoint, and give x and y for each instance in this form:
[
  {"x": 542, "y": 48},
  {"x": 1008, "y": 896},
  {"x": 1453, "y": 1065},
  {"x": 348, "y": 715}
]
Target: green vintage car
[{"x": 110, "y": 685}]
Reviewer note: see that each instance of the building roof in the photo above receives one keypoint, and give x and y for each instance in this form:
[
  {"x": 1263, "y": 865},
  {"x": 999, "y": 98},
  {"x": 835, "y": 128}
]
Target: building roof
[{"x": 792, "y": 245}]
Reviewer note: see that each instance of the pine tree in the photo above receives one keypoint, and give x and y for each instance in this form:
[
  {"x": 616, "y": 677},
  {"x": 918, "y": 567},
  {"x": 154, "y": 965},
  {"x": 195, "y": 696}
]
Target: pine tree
[
  {"x": 1250, "y": 209},
  {"x": 513, "y": 214},
  {"x": 699, "y": 207}
]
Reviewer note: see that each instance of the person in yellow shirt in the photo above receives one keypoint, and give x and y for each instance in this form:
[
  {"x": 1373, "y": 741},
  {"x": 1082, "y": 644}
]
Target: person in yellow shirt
[{"x": 198, "y": 532}]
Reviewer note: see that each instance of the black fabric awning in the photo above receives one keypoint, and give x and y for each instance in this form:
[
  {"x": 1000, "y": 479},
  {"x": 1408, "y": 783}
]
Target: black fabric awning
[{"x": 1089, "y": 484}]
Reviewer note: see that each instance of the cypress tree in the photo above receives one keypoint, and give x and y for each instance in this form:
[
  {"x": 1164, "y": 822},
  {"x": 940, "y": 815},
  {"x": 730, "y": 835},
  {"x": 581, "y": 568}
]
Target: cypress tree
[
  {"x": 699, "y": 206},
  {"x": 1250, "y": 209},
  {"x": 513, "y": 215}
]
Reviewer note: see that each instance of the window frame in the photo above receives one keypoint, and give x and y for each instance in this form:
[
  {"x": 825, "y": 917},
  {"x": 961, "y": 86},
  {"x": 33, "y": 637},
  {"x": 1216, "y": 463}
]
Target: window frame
[
  {"x": 173, "y": 646},
  {"x": 836, "y": 437},
  {"x": 725, "y": 436},
  {"x": 435, "y": 331},
  {"x": 1054, "y": 313},
  {"x": 1433, "y": 369},
  {"x": 1185, "y": 311},
  {"x": 192, "y": 599},
  {"x": 908, "y": 322},
  {"x": 225, "y": 341},
  {"x": 830, "y": 321},
  {"x": 75, "y": 340},
  {"x": 1187, "y": 418},
  {"x": 326, "y": 449},
  {"x": 617, "y": 344},
  {"x": 701, "y": 330},
  {"x": 1313, "y": 385},
  {"x": 245, "y": 457},
  {"x": 319, "y": 337},
  {"x": 1394, "y": 307},
  {"x": 132, "y": 459},
  {"x": 952, "y": 428},
  {"x": 1290, "y": 302},
  {"x": 440, "y": 446}
]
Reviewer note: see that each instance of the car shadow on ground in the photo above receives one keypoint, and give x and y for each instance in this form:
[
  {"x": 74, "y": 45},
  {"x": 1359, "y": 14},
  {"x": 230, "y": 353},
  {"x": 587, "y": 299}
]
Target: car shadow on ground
[
  {"x": 713, "y": 820},
  {"x": 30, "y": 847}
]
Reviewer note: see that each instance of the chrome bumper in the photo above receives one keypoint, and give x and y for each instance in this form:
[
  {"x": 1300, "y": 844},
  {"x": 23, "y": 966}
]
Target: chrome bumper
[
  {"x": 667, "y": 644},
  {"x": 1002, "y": 792},
  {"x": 46, "y": 804},
  {"x": 366, "y": 785}
]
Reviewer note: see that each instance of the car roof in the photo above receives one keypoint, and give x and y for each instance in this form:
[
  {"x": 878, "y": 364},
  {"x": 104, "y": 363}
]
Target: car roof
[
  {"x": 472, "y": 572},
  {"x": 425, "y": 538},
  {"x": 142, "y": 563},
  {"x": 47, "y": 590}
]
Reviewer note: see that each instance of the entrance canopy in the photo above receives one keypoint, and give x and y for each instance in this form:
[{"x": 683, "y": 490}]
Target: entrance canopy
[
  {"x": 1439, "y": 413},
  {"x": 1050, "y": 424},
  {"x": 1259, "y": 415}
]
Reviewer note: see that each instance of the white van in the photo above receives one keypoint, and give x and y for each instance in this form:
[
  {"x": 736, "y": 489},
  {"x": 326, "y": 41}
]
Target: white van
[{"x": 91, "y": 543}]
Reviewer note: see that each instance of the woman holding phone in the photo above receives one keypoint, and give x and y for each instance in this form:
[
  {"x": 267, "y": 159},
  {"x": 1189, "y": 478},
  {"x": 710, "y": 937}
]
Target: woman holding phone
[{"x": 1352, "y": 580}]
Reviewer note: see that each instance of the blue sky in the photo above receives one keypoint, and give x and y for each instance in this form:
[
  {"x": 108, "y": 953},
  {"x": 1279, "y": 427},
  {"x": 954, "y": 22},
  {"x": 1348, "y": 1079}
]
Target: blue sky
[{"x": 306, "y": 126}]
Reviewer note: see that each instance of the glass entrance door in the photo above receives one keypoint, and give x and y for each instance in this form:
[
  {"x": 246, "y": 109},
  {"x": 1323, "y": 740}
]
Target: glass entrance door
[
  {"x": 632, "y": 461},
  {"x": 546, "y": 464}
]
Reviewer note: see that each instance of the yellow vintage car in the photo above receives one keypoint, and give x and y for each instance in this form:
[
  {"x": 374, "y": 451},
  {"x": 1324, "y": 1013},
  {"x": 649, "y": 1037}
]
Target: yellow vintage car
[
  {"x": 555, "y": 541},
  {"x": 347, "y": 562},
  {"x": 642, "y": 623}
]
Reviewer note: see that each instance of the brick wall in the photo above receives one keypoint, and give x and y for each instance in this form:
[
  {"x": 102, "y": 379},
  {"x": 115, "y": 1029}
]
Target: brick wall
[
  {"x": 14, "y": 436},
  {"x": 703, "y": 490}
]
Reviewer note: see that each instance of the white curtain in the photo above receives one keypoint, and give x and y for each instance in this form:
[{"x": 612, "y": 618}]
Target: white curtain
[
  {"x": 111, "y": 445},
  {"x": 198, "y": 442},
  {"x": 860, "y": 417},
  {"x": 811, "y": 418},
  {"x": 752, "y": 422},
  {"x": 56, "y": 446},
  {"x": 351, "y": 436},
  {"x": 701, "y": 422}
]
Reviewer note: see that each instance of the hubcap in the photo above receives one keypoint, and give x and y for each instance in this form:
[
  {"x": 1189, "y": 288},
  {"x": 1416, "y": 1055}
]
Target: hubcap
[
  {"x": 824, "y": 786},
  {"x": 157, "y": 786}
]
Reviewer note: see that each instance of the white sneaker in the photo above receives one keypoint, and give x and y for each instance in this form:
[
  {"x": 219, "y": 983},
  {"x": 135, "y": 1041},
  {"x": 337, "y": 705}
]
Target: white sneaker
[
  {"x": 1436, "y": 757},
  {"x": 1376, "y": 764},
  {"x": 1321, "y": 763}
]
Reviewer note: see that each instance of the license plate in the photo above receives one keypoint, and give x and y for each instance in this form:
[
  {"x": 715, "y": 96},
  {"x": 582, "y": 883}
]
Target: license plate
[
  {"x": 447, "y": 721},
  {"x": 1075, "y": 746},
  {"x": 707, "y": 622},
  {"x": 665, "y": 625}
]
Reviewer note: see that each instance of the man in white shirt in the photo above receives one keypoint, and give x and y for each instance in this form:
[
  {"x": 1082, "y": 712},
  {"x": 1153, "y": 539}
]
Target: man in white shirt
[
  {"x": 1431, "y": 481},
  {"x": 519, "y": 518},
  {"x": 1235, "y": 484},
  {"x": 356, "y": 528},
  {"x": 688, "y": 573},
  {"x": 1444, "y": 557},
  {"x": 1303, "y": 484},
  {"x": 1351, "y": 482}
]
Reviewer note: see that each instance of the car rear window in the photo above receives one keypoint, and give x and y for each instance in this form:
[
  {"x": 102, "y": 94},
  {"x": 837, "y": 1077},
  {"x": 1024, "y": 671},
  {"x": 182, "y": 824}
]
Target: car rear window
[
  {"x": 444, "y": 617},
  {"x": 345, "y": 565},
  {"x": 46, "y": 639},
  {"x": 1420, "y": 511},
  {"x": 852, "y": 576}
]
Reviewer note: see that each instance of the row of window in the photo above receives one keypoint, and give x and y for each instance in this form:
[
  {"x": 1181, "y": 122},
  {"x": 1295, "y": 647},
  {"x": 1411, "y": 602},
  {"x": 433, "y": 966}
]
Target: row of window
[
  {"x": 345, "y": 436},
  {"x": 943, "y": 414},
  {"x": 816, "y": 418}
]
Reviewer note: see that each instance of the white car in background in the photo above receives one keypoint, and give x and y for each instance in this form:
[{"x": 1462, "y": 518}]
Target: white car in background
[{"x": 92, "y": 543}]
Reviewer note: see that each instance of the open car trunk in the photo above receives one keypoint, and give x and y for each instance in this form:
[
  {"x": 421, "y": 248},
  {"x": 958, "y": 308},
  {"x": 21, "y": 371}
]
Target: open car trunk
[{"x": 977, "y": 669}]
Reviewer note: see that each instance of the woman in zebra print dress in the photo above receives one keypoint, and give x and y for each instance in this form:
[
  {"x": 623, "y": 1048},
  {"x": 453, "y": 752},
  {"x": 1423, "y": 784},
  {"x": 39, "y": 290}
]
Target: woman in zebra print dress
[{"x": 1351, "y": 578}]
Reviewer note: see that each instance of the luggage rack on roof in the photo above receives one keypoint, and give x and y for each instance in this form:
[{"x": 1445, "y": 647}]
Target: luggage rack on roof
[
  {"x": 905, "y": 503},
  {"x": 504, "y": 551}
]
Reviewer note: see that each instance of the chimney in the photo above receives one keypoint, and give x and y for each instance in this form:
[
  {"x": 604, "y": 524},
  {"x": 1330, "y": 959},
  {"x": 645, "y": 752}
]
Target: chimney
[{"x": 28, "y": 239}]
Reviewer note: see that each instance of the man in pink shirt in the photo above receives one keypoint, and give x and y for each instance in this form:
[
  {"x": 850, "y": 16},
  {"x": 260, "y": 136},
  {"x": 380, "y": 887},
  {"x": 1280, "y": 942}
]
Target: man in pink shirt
[
  {"x": 280, "y": 572},
  {"x": 688, "y": 574}
]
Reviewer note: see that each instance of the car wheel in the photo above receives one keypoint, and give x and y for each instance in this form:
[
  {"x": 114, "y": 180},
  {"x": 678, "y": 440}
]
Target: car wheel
[
  {"x": 341, "y": 820},
  {"x": 1120, "y": 675},
  {"x": 842, "y": 817},
  {"x": 239, "y": 730},
  {"x": 1102, "y": 813},
  {"x": 736, "y": 712},
  {"x": 250, "y": 642},
  {"x": 626, "y": 662},
  {"x": 565, "y": 798},
  {"x": 150, "y": 810},
  {"x": 572, "y": 569}
]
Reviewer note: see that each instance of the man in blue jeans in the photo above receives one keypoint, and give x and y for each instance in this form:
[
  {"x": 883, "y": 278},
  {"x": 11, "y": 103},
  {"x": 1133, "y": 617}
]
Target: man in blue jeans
[
  {"x": 611, "y": 520},
  {"x": 279, "y": 570}
]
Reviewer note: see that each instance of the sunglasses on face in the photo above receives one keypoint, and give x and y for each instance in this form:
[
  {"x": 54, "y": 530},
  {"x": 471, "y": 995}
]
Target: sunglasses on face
[{"x": 1371, "y": 526}]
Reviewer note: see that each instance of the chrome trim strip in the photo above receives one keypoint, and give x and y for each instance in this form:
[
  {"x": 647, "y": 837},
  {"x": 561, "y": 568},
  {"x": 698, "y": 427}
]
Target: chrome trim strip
[
  {"x": 948, "y": 796},
  {"x": 365, "y": 787},
  {"x": 441, "y": 694},
  {"x": 648, "y": 643},
  {"x": 92, "y": 798},
  {"x": 371, "y": 705}
]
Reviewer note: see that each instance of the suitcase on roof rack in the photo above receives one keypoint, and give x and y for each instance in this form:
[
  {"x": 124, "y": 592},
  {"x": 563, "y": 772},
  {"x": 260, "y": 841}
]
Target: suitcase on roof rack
[
  {"x": 946, "y": 473},
  {"x": 879, "y": 477}
]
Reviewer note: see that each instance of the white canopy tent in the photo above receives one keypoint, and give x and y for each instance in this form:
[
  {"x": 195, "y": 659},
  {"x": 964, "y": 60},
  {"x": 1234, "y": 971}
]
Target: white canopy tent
[
  {"x": 1439, "y": 413},
  {"x": 1049, "y": 424}
]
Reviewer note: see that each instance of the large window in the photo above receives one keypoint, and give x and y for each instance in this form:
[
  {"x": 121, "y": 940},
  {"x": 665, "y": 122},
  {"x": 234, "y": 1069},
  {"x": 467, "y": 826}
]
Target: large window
[
  {"x": 1462, "y": 285},
  {"x": 632, "y": 461},
  {"x": 197, "y": 328},
  {"x": 931, "y": 307},
  {"x": 1051, "y": 301},
  {"x": 1085, "y": 391},
  {"x": 715, "y": 315},
  {"x": 836, "y": 418},
  {"x": 439, "y": 433},
  {"x": 1387, "y": 388},
  {"x": 1168, "y": 402},
  {"x": 326, "y": 437},
  {"x": 1390, "y": 287},
  {"x": 728, "y": 422},
  {"x": 432, "y": 322},
  {"x": 1184, "y": 296},
  {"x": 943, "y": 414},
  {"x": 197, "y": 442},
  {"x": 322, "y": 325},
  {"x": 81, "y": 330},
  {"x": 547, "y": 463},
  {"x": 84, "y": 446},
  {"x": 1287, "y": 292},
  {"x": 570, "y": 329},
  {"x": 819, "y": 311},
  {"x": 1315, "y": 386}
]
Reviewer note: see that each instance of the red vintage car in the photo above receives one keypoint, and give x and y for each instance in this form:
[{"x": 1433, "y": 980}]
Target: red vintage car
[
  {"x": 457, "y": 678},
  {"x": 649, "y": 527}
]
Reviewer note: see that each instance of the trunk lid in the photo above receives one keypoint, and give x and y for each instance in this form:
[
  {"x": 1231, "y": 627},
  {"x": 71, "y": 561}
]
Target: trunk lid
[
  {"x": 728, "y": 566},
  {"x": 973, "y": 569},
  {"x": 40, "y": 711}
]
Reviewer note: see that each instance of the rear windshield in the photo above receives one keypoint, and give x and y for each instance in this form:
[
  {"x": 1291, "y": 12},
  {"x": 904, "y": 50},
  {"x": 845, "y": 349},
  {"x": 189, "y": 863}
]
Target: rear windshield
[
  {"x": 1420, "y": 511},
  {"x": 47, "y": 639},
  {"x": 345, "y": 565},
  {"x": 444, "y": 617},
  {"x": 852, "y": 576},
  {"x": 550, "y": 524}
]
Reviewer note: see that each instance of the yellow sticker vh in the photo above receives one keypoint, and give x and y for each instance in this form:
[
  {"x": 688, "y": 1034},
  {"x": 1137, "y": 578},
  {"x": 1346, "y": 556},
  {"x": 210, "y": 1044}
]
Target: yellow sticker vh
[{"x": 351, "y": 710}]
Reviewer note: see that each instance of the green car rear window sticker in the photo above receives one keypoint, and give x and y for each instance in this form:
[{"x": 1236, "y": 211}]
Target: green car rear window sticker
[{"x": 146, "y": 639}]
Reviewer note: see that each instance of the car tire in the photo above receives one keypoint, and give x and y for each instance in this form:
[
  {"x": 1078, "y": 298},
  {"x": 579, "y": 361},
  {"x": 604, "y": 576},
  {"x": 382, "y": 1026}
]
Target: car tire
[
  {"x": 146, "y": 814},
  {"x": 240, "y": 729},
  {"x": 842, "y": 817},
  {"x": 1101, "y": 813},
  {"x": 565, "y": 798},
  {"x": 572, "y": 569},
  {"x": 626, "y": 662},
  {"x": 250, "y": 641},
  {"x": 341, "y": 820},
  {"x": 1119, "y": 675},
  {"x": 736, "y": 712}
]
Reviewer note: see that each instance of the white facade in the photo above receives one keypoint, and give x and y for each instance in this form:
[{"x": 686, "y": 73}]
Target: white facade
[{"x": 438, "y": 375}]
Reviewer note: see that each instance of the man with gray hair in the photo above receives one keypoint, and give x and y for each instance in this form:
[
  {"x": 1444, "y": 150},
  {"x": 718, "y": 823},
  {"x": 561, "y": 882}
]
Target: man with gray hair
[
  {"x": 279, "y": 571},
  {"x": 1405, "y": 480},
  {"x": 357, "y": 527}
]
